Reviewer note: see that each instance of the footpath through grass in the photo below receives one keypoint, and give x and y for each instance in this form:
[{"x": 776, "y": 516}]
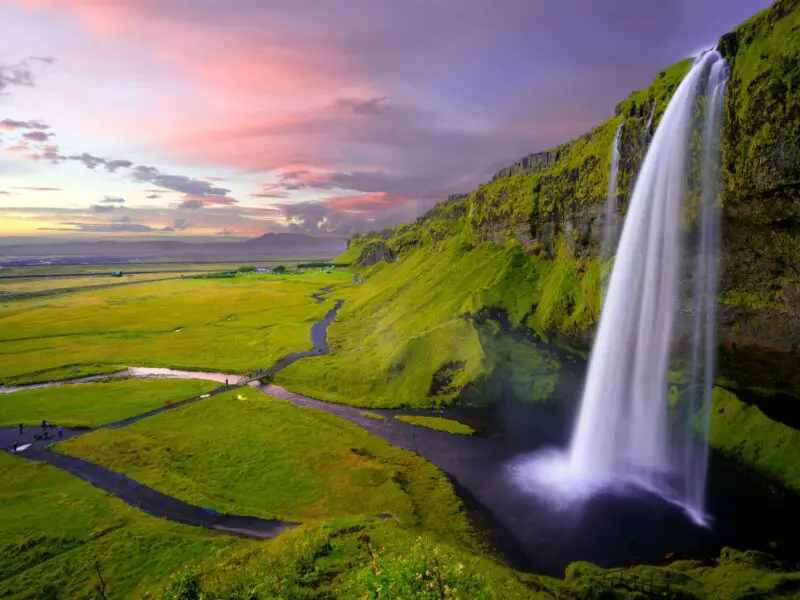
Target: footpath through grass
[
  {"x": 94, "y": 404},
  {"x": 246, "y": 453},
  {"x": 229, "y": 325},
  {"x": 53, "y": 527}
]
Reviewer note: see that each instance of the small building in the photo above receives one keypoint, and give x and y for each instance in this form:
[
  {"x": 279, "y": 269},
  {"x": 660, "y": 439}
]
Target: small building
[
  {"x": 263, "y": 270},
  {"x": 116, "y": 273}
]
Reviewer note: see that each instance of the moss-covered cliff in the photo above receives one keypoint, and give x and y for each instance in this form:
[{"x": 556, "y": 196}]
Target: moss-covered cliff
[{"x": 545, "y": 213}]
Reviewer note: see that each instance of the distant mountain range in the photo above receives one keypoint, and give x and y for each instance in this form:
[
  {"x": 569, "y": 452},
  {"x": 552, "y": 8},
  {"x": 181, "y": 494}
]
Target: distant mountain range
[{"x": 290, "y": 245}]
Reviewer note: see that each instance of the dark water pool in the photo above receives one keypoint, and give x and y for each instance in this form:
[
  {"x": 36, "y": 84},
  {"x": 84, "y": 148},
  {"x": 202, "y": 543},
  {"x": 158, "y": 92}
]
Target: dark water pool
[{"x": 612, "y": 528}]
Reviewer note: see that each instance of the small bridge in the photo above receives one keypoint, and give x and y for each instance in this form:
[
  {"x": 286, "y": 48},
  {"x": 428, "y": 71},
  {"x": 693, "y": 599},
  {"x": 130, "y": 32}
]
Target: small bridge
[{"x": 252, "y": 376}]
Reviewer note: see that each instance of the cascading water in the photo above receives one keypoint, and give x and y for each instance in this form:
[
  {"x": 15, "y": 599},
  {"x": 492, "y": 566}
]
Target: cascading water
[
  {"x": 624, "y": 430},
  {"x": 706, "y": 276},
  {"x": 646, "y": 131},
  {"x": 609, "y": 225},
  {"x": 630, "y": 430}
]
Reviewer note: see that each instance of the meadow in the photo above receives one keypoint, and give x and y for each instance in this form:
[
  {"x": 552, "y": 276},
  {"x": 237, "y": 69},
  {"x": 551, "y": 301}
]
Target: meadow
[
  {"x": 49, "y": 284},
  {"x": 94, "y": 404},
  {"x": 243, "y": 452},
  {"x": 165, "y": 265},
  {"x": 359, "y": 500},
  {"x": 231, "y": 325},
  {"x": 55, "y": 527}
]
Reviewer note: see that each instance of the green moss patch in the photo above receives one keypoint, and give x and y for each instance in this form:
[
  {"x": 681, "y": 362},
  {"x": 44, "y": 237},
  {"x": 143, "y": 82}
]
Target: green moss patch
[{"x": 437, "y": 423}]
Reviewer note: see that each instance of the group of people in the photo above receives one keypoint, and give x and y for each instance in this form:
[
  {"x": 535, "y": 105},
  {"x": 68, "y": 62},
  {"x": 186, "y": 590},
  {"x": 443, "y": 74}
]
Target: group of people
[{"x": 45, "y": 435}]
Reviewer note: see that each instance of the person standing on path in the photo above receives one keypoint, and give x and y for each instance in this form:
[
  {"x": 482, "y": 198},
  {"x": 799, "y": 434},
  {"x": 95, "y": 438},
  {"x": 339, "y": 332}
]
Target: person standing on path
[
  {"x": 60, "y": 431},
  {"x": 44, "y": 425},
  {"x": 21, "y": 425},
  {"x": 15, "y": 447}
]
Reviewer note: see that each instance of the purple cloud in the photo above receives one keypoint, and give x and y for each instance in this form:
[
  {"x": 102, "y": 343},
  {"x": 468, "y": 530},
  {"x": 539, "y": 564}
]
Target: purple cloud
[
  {"x": 15, "y": 75},
  {"x": 178, "y": 183},
  {"x": 37, "y": 136},
  {"x": 14, "y": 124},
  {"x": 191, "y": 204}
]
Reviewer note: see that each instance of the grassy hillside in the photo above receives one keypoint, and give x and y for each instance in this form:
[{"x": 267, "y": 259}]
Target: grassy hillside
[
  {"x": 745, "y": 433},
  {"x": 417, "y": 333},
  {"x": 54, "y": 527}
]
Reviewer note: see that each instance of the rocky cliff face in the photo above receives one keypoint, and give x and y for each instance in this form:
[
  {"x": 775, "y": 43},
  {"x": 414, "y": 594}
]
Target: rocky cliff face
[{"x": 552, "y": 203}]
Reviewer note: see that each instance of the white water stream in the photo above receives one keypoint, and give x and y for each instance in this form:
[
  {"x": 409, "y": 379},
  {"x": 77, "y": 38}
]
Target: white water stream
[{"x": 628, "y": 431}]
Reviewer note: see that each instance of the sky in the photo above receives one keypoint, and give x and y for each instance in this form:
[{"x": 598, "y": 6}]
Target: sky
[{"x": 202, "y": 118}]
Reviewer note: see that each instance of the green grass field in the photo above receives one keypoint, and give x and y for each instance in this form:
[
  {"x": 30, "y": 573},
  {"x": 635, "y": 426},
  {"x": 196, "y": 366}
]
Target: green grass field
[
  {"x": 94, "y": 404},
  {"x": 44, "y": 284},
  {"x": 265, "y": 457},
  {"x": 437, "y": 423},
  {"x": 224, "y": 264},
  {"x": 53, "y": 527},
  {"x": 231, "y": 325}
]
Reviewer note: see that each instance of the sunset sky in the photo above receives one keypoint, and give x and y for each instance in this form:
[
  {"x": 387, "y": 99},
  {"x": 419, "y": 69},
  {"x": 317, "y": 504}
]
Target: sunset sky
[{"x": 195, "y": 118}]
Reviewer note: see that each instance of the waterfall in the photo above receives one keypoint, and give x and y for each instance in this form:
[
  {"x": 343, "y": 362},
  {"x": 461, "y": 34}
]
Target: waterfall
[
  {"x": 625, "y": 429},
  {"x": 609, "y": 225},
  {"x": 646, "y": 130},
  {"x": 704, "y": 291}
]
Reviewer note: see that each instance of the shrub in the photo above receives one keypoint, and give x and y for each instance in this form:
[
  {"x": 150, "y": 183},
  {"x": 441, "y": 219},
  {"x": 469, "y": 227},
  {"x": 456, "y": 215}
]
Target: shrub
[{"x": 184, "y": 587}]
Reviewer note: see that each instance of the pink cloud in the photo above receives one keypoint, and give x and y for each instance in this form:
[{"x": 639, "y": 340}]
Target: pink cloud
[
  {"x": 367, "y": 204},
  {"x": 263, "y": 87},
  {"x": 269, "y": 195}
]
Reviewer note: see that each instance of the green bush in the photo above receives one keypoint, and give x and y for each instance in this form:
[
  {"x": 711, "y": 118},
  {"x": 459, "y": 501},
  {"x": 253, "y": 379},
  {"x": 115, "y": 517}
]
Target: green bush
[
  {"x": 426, "y": 572},
  {"x": 184, "y": 587}
]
